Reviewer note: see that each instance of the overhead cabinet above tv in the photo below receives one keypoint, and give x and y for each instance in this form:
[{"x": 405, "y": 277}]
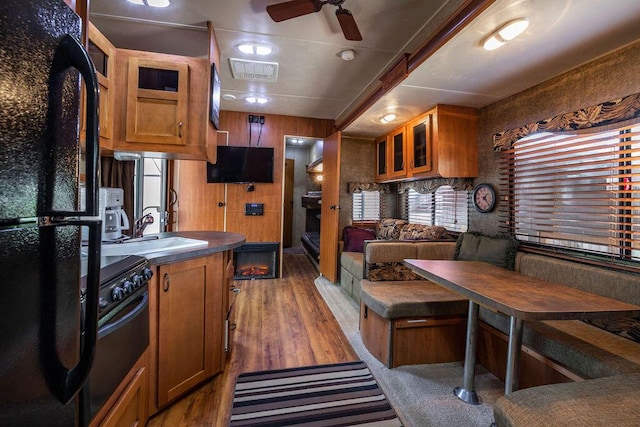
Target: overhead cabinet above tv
[{"x": 241, "y": 164}]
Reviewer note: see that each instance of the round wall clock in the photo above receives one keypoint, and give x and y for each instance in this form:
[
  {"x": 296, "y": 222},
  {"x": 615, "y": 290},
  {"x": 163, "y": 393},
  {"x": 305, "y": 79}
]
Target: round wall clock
[{"x": 484, "y": 198}]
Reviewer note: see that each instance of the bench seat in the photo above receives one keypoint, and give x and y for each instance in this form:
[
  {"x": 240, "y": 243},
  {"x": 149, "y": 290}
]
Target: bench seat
[{"x": 412, "y": 322}]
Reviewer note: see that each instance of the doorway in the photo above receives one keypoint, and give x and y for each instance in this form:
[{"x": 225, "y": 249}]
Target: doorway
[{"x": 300, "y": 152}]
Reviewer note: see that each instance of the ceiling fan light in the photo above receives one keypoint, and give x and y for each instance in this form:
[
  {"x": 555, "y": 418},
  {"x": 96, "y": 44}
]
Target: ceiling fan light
[{"x": 513, "y": 29}]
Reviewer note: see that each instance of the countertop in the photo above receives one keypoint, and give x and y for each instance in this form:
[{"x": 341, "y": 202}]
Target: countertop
[{"x": 219, "y": 241}]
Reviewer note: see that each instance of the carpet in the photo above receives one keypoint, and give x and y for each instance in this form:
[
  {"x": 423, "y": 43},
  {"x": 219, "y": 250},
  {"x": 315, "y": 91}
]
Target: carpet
[
  {"x": 341, "y": 394},
  {"x": 422, "y": 395}
]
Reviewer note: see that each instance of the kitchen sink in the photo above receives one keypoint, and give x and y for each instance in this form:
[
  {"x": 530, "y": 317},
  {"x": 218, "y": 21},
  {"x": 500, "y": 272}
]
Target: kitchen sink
[{"x": 149, "y": 247}]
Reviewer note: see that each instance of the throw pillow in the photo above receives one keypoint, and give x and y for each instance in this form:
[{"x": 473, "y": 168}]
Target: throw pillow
[
  {"x": 354, "y": 238},
  {"x": 499, "y": 250},
  {"x": 389, "y": 228},
  {"x": 422, "y": 232}
]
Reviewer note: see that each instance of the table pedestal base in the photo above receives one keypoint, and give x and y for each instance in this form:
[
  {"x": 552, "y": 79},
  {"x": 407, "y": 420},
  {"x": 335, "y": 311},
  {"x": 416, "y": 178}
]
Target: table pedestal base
[{"x": 467, "y": 396}]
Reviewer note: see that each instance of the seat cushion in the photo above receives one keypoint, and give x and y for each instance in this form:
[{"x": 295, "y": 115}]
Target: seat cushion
[
  {"x": 499, "y": 250},
  {"x": 407, "y": 299},
  {"x": 610, "y": 401}
]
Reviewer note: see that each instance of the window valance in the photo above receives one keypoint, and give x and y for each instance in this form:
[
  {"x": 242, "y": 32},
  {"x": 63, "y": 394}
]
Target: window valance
[
  {"x": 607, "y": 113},
  {"x": 427, "y": 186},
  {"x": 357, "y": 187}
]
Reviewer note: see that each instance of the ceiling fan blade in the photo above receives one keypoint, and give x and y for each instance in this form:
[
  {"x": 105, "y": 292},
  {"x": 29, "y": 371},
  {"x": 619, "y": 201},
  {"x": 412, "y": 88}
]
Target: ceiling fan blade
[
  {"x": 292, "y": 9},
  {"x": 348, "y": 25}
]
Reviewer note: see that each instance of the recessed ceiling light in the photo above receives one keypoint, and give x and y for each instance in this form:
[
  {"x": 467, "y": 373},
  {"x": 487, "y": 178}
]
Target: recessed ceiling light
[
  {"x": 507, "y": 32},
  {"x": 228, "y": 97},
  {"x": 256, "y": 100},
  {"x": 388, "y": 118},
  {"x": 254, "y": 49}
]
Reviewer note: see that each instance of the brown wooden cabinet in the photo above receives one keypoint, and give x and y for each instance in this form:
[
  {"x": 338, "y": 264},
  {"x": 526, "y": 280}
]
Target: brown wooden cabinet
[
  {"x": 103, "y": 55},
  {"x": 381, "y": 158},
  {"x": 190, "y": 317},
  {"x": 442, "y": 142},
  {"x": 161, "y": 105},
  {"x": 128, "y": 406},
  {"x": 397, "y": 154},
  {"x": 157, "y": 101},
  {"x": 419, "y": 142}
]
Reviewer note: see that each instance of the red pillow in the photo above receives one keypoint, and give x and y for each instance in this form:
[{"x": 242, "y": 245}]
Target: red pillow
[{"x": 354, "y": 238}]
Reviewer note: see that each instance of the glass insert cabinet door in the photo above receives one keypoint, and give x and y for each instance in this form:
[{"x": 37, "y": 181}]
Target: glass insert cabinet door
[
  {"x": 420, "y": 141},
  {"x": 381, "y": 158},
  {"x": 397, "y": 139}
]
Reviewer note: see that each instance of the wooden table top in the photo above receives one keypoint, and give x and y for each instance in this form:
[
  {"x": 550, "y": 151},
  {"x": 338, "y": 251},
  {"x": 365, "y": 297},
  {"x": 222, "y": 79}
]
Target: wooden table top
[{"x": 517, "y": 295}]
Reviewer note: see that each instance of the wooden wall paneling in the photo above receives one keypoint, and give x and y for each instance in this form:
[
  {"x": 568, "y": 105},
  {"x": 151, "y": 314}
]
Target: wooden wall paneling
[
  {"x": 267, "y": 228},
  {"x": 198, "y": 206}
]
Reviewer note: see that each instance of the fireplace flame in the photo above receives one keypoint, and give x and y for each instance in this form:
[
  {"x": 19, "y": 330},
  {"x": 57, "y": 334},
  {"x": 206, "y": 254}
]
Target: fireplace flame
[{"x": 254, "y": 270}]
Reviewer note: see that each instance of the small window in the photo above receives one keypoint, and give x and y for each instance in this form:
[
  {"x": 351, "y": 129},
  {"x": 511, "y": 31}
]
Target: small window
[{"x": 366, "y": 206}]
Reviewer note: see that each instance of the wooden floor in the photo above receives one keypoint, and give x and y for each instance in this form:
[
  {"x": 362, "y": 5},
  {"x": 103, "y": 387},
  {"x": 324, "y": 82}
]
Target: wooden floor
[{"x": 280, "y": 323}]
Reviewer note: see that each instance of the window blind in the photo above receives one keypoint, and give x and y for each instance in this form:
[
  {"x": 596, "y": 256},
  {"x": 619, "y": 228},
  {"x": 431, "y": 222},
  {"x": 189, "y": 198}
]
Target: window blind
[
  {"x": 575, "y": 191},
  {"x": 366, "y": 206},
  {"x": 452, "y": 209},
  {"x": 419, "y": 207}
]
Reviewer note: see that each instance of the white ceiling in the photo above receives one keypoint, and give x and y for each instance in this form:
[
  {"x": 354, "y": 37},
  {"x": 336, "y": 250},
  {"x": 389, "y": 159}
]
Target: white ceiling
[{"x": 314, "y": 82}]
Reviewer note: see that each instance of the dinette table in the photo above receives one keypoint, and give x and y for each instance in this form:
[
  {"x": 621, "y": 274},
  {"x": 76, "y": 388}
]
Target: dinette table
[{"x": 521, "y": 297}]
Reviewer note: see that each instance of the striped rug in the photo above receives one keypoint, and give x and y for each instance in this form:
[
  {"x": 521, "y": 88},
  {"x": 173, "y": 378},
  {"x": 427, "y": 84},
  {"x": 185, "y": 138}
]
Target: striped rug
[{"x": 342, "y": 394}]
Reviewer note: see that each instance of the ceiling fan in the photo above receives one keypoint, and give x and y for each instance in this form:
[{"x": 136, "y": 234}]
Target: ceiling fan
[{"x": 294, "y": 8}]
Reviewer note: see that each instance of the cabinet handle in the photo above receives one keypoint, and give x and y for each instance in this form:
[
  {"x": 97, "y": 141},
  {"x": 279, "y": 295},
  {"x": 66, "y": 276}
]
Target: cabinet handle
[
  {"x": 180, "y": 130},
  {"x": 166, "y": 281}
]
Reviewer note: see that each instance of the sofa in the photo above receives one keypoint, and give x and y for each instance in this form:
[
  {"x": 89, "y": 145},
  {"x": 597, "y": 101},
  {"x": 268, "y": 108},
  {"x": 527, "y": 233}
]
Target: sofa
[{"x": 554, "y": 352}]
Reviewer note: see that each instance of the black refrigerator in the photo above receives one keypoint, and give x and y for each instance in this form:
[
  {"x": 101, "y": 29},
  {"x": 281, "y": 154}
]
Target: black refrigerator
[{"x": 47, "y": 337}]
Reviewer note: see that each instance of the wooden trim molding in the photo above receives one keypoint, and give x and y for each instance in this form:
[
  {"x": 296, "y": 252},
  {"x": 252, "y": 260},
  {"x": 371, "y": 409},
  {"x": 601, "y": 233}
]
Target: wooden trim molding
[{"x": 606, "y": 113}]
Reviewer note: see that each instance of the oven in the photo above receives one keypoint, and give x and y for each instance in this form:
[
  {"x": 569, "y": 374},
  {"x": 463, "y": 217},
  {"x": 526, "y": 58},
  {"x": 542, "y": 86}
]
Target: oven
[{"x": 123, "y": 328}]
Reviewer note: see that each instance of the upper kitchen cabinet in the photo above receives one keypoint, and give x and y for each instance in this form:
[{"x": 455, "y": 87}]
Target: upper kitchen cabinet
[
  {"x": 442, "y": 142},
  {"x": 381, "y": 158},
  {"x": 419, "y": 144},
  {"x": 162, "y": 104},
  {"x": 397, "y": 154},
  {"x": 103, "y": 55},
  {"x": 157, "y": 98}
]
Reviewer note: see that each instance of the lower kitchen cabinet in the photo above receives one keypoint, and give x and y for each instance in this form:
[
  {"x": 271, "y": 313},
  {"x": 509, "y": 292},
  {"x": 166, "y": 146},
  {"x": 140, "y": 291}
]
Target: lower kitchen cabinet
[
  {"x": 190, "y": 316},
  {"x": 128, "y": 407}
]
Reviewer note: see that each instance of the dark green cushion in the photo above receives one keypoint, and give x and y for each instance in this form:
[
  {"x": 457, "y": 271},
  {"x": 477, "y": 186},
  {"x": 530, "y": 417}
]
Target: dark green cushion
[{"x": 499, "y": 250}]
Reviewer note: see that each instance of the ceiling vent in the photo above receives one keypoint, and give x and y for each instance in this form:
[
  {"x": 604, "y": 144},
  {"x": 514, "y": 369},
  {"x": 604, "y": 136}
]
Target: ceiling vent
[{"x": 257, "y": 71}]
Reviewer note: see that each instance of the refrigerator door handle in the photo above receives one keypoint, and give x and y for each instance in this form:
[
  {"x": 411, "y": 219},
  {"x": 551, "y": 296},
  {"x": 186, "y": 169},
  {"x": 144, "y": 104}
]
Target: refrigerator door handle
[
  {"x": 74, "y": 378},
  {"x": 73, "y": 55}
]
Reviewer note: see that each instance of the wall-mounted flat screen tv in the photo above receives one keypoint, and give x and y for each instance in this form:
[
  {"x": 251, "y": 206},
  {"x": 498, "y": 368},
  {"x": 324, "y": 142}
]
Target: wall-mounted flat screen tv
[{"x": 241, "y": 164}]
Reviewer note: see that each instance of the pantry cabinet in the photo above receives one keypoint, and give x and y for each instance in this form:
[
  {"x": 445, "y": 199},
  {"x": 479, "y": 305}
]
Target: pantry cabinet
[
  {"x": 190, "y": 315},
  {"x": 441, "y": 142}
]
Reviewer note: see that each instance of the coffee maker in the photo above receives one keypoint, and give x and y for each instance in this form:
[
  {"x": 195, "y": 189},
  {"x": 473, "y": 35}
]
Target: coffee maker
[{"x": 114, "y": 218}]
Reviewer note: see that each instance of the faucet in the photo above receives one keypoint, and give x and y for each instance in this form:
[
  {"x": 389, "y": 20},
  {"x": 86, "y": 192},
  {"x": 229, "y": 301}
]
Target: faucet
[{"x": 140, "y": 224}]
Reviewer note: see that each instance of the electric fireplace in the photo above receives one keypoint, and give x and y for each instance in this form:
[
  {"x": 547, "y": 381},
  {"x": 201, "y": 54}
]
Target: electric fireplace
[{"x": 256, "y": 261}]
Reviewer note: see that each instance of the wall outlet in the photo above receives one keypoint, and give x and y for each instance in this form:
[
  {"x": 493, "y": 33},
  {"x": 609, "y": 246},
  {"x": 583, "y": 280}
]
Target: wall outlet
[
  {"x": 261, "y": 120},
  {"x": 251, "y": 118}
]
